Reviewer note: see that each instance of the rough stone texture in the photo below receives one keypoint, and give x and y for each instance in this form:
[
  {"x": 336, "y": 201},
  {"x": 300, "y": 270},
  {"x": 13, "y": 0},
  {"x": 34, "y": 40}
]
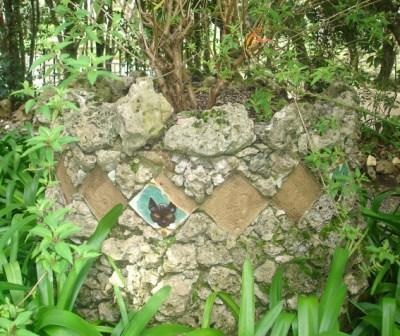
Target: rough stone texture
[
  {"x": 201, "y": 255},
  {"x": 141, "y": 115},
  {"x": 108, "y": 131},
  {"x": 226, "y": 131},
  {"x": 223, "y": 279},
  {"x": 5, "y": 108},
  {"x": 108, "y": 159},
  {"x": 265, "y": 272},
  {"x": 81, "y": 215},
  {"x": 93, "y": 125},
  {"x": 180, "y": 258}
]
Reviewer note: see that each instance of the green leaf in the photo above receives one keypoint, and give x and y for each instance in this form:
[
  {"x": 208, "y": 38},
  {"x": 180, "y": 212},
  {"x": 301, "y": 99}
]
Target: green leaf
[
  {"x": 268, "y": 320},
  {"x": 308, "y": 316},
  {"x": 146, "y": 313},
  {"x": 92, "y": 34},
  {"x": 40, "y": 60},
  {"x": 55, "y": 317},
  {"x": 4, "y": 285},
  {"x": 204, "y": 332},
  {"x": 92, "y": 76},
  {"x": 80, "y": 270},
  {"x": 230, "y": 303},
  {"x": 388, "y": 316},
  {"x": 41, "y": 231},
  {"x": 334, "y": 292},
  {"x": 64, "y": 251},
  {"x": 29, "y": 105},
  {"x": 247, "y": 305},
  {"x": 24, "y": 332},
  {"x": 208, "y": 308},
  {"x": 282, "y": 324},
  {"x": 275, "y": 292},
  {"x": 13, "y": 275},
  {"x": 166, "y": 330},
  {"x": 46, "y": 285}
]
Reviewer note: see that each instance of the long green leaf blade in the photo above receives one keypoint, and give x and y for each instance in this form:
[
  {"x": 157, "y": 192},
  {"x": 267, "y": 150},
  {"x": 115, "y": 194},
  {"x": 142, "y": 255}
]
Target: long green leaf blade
[
  {"x": 79, "y": 271},
  {"x": 275, "y": 292},
  {"x": 308, "y": 316},
  {"x": 247, "y": 306},
  {"x": 166, "y": 330},
  {"x": 282, "y": 325},
  {"x": 334, "y": 292},
  {"x": 146, "y": 313},
  {"x": 230, "y": 303},
  {"x": 268, "y": 320},
  {"x": 388, "y": 316},
  {"x": 55, "y": 318},
  {"x": 208, "y": 308}
]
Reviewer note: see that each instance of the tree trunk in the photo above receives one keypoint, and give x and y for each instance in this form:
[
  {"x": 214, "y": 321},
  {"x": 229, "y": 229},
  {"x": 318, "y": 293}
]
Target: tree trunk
[
  {"x": 35, "y": 19},
  {"x": 14, "y": 48},
  {"x": 387, "y": 62},
  {"x": 109, "y": 44},
  {"x": 100, "y": 20}
]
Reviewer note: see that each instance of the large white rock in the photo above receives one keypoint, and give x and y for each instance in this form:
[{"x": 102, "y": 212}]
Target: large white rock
[
  {"x": 223, "y": 130},
  {"x": 141, "y": 115}
]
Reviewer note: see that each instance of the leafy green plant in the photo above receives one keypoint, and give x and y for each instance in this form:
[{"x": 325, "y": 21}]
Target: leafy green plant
[
  {"x": 345, "y": 182},
  {"x": 383, "y": 230},
  {"x": 60, "y": 274},
  {"x": 314, "y": 317},
  {"x": 324, "y": 124},
  {"x": 324, "y": 159},
  {"x": 260, "y": 102}
]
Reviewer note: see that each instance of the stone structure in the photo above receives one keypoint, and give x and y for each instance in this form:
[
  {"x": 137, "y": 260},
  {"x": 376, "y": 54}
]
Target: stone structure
[{"x": 238, "y": 179}]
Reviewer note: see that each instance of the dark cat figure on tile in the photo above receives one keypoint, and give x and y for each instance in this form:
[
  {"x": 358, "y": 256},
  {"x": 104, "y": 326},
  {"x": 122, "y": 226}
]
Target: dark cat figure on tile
[{"x": 162, "y": 214}]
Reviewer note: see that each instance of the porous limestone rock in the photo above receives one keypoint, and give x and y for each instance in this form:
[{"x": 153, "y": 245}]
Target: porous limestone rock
[
  {"x": 223, "y": 279},
  {"x": 180, "y": 257},
  {"x": 81, "y": 215},
  {"x": 227, "y": 130},
  {"x": 179, "y": 298},
  {"x": 108, "y": 159},
  {"x": 93, "y": 125},
  {"x": 285, "y": 126},
  {"x": 5, "y": 108},
  {"x": 265, "y": 272},
  {"x": 141, "y": 115}
]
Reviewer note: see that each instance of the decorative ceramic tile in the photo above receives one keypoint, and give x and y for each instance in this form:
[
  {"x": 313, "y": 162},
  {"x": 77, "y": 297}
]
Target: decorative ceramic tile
[
  {"x": 298, "y": 193},
  {"x": 100, "y": 194},
  {"x": 66, "y": 185},
  {"x": 235, "y": 204},
  {"x": 155, "y": 206}
]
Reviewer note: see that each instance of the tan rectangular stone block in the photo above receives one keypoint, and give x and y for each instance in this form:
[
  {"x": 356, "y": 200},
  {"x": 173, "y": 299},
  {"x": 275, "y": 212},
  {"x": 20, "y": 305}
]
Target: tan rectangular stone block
[
  {"x": 100, "y": 194},
  {"x": 298, "y": 193},
  {"x": 235, "y": 204},
  {"x": 66, "y": 185}
]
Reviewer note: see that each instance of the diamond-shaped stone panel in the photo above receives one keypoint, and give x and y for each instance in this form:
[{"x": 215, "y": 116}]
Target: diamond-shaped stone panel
[
  {"x": 298, "y": 193},
  {"x": 100, "y": 194},
  {"x": 66, "y": 185},
  {"x": 235, "y": 204},
  {"x": 176, "y": 194}
]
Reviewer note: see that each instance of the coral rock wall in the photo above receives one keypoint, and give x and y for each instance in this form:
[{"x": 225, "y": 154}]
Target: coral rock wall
[{"x": 242, "y": 185}]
